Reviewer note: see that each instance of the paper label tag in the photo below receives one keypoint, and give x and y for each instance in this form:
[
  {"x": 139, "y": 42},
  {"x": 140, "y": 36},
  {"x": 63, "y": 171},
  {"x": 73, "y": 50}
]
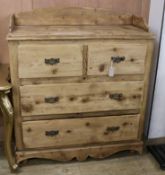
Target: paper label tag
[{"x": 111, "y": 71}]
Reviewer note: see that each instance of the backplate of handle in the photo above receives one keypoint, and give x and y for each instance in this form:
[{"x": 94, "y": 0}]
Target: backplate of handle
[
  {"x": 51, "y": 99},
  {"x": 52, "y": 61},
  {"x": 116, "y": 96},
  {"x": 118, "y": 59},
  {"x": 113, "y": 128},
  {"x": 51, "y": 133}
]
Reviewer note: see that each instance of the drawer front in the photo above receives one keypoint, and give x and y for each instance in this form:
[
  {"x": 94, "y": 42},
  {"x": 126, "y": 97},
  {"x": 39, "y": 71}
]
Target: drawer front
[
  {"x": 80, "y": 97},
  {"x": 49, "y": 60},
  {"x": 70, "y": 132},
  {"x": 126, "y": 58}
]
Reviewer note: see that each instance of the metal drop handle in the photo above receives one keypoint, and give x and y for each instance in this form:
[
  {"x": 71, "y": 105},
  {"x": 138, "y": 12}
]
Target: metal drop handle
[
  {"x": 52, "y": 133},
  {"x": 118, "y": 59},
  {"x": 113, "y": 128},
  {"x": 116, "y": 96},
  {"x": 51, "y": 99},
  {"x": 52, "y": 61}
]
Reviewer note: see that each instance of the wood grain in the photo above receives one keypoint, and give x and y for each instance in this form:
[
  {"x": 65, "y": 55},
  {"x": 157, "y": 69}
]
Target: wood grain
[
  {"x": 100, "y": 58},
  {"x": 148, "y": 65},
  {"x": 80, "y": 97},
  {"x": 85, "y": 61},
  {"x": 80, "y": 153},
  {"x": 76, "y": 16},
  {"x": 37, "y": 81},
  {"x": 74, "y": 32},
  {"x": 67, "y": 131},
  {"x": 70, "y": 17},
  {"x": 13, "y": 47},
  {"x": 32, "y": 59}
]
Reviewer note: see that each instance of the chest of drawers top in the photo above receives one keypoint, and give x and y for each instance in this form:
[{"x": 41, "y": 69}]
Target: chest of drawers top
[{"x": 76, "y": 23}]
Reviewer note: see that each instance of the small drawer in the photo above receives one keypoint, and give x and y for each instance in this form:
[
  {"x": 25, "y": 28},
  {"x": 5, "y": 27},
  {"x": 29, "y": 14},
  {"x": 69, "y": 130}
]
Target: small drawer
[
  {"x": 66, "y": 98},
  {"x": 49, "y": 60},
  {"x": 126, "y": 58},
  {"x": 84, "y": 131}
]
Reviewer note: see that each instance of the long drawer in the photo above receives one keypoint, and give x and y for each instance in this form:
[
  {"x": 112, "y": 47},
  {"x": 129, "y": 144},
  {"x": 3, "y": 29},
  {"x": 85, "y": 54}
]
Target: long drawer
[
  {"x": 49, "y": 60},
  {"x": 71, "y": 132},
  {"x": 80, "y": 97}
]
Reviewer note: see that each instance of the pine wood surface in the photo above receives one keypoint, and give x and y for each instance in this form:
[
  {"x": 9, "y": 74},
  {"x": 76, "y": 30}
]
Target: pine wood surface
[
  {"x": 73, "y": 32},
  {"x": 78, "y": 132},
  {"x": 70, "y": 16},
  {"x": 30, "y": 66},
  {"x": 80, "y": 97},
  {"x": 100, "y": 57},
  {"x": 80, "y": 153},
  {"x": 75, "y": 82},
  {"x": 13, "y": 47},
  {"x": 32, "y": 58}
]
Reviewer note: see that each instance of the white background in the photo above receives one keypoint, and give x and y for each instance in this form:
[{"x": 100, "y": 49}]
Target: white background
[{"x": 157, "y": 126}]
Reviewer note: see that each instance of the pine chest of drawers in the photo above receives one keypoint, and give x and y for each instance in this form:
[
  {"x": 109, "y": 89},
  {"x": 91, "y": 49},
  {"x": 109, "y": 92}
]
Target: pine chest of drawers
[{"x": 80, "y": 81}]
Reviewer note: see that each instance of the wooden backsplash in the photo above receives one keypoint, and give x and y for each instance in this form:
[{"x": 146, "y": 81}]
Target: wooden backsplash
[{"x": 137, "y": 7}]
